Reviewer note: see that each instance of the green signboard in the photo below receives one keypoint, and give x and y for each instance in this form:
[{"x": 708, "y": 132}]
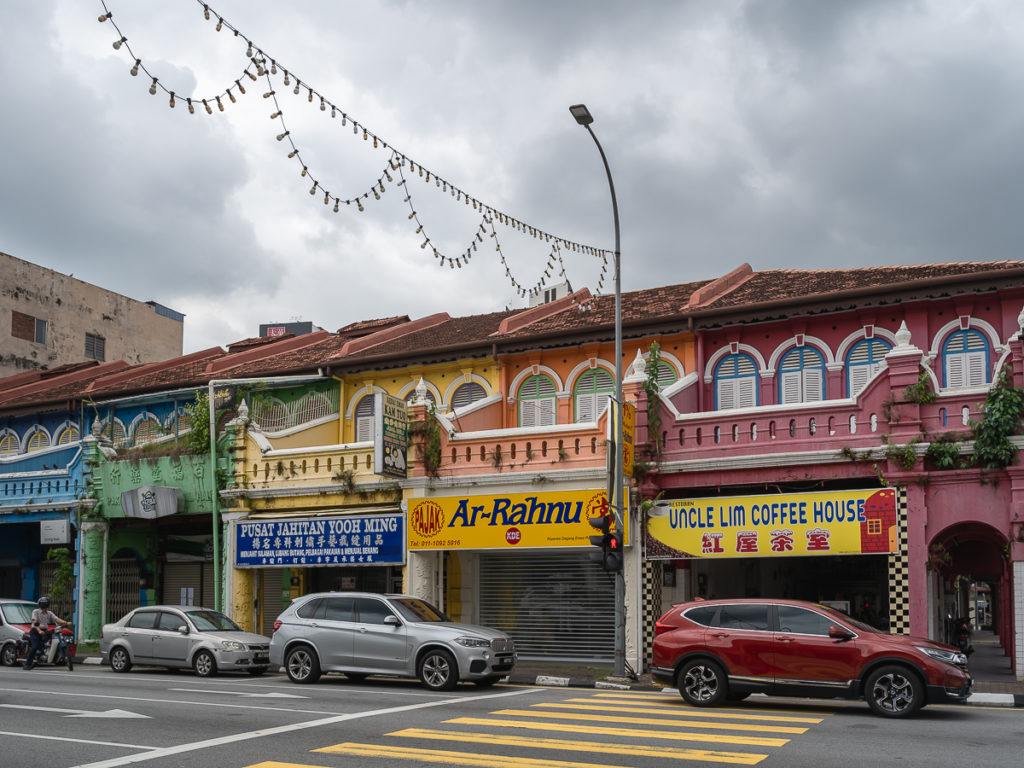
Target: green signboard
[{"x": 390, "y": 435}]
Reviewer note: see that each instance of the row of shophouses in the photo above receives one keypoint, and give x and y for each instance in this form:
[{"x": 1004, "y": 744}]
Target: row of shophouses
[{"x": 807, "y": 434}]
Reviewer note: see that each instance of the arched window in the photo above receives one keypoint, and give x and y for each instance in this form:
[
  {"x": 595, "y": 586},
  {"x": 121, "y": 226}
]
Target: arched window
[
  {"x": 802, "y": 376},
  {"x": 37, "y": 441},
  {"x": 666, "y": 374},
  {"x": 67, "y": 435},
  {"x": 592, "y": 390},
  {"x": 146, "y": 431},
  {"x": 862, "y": 362},
  {"x": 364, "y": 420},
  {"x": 538, "y": 406},
  {"x": 736, "y": 382},
  {"x": 8, "y": 443},
  {"x": 467, "y": 394},
  {"x": 965, "y": 359}
]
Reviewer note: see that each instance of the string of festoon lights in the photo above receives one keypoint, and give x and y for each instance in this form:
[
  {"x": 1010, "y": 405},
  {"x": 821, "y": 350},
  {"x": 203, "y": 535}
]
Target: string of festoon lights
[{"x": 398, "y": 164}]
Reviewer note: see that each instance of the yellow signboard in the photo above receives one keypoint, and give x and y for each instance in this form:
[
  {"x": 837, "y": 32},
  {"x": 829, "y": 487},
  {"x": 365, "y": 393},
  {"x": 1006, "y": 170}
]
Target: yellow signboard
[
  {"x": 628, "y": 430},
  {"x": 777, "y": 525},
  {"x": 512, "y": 521}
]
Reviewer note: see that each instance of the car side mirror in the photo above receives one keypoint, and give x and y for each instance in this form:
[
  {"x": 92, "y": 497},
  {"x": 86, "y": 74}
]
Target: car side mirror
[
  {"x": 183, "y": 629},
  {"x": 392, "y": 620},
  {"x": 839, "y": 633}
]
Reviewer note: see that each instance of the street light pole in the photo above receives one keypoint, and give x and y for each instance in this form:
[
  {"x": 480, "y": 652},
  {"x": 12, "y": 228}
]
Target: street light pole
[{"x": 616, "y": 477}]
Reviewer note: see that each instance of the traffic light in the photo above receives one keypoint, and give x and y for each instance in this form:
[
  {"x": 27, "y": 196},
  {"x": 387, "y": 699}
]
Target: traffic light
[{"x": 610, "y": 556}]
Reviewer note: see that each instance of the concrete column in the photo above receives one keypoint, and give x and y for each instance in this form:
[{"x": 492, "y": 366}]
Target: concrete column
[
  {"x": 917, "y": 556},
  {"x": 92, "y": 576}
]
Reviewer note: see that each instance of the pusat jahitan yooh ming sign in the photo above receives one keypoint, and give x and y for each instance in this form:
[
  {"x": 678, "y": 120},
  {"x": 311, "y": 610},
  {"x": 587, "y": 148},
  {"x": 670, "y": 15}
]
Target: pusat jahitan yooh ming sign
[{"x": 774, "y": 525}]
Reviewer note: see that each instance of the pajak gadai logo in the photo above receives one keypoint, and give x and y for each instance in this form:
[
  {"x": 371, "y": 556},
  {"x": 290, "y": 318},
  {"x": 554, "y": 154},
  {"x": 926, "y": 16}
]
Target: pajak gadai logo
[{"x": 427, "y": 519}]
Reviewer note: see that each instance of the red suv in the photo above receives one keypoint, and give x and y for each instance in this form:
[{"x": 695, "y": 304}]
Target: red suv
[{"x": 723, "y": 650}]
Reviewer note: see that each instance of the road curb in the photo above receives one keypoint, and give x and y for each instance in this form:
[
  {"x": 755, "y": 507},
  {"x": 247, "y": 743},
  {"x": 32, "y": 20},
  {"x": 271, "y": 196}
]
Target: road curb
[{"x": 996, "y": 700}]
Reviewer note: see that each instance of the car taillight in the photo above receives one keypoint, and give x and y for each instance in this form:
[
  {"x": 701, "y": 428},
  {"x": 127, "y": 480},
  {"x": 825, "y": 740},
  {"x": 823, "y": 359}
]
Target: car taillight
[
  {"x": 661, "y": 628},
  {"x": 276, "y": 625}
]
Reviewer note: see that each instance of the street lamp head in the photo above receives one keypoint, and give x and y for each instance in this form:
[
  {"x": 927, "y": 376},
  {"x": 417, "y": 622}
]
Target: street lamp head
[{"x": 582, "y": 114}]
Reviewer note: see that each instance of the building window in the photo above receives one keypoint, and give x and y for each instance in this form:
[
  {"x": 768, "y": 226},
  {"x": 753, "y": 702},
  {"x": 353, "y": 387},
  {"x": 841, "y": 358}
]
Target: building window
[
  {"x": 965, "y": 359},
  {"x": 37, "y": 441},
  {"x": 147, "y": 430},
  {"x": 862, "y": 363},
  {"x": 364, "y": 420},
  {"x": 874, "y": 527},
  {"x": 592, "y": 390},
  {"x": 68, "y": 435},
  {"x": 467, "y": 394},
  {"x": 736, "y": 382},
  {"x": 666, "y": 374},
  {"x": 95, "y": 347},
  {"x": 538, "y": 405},
  {"x": 28, "y": 328},
  {"x": 802, "y": 376},
  {"x": 9, "y": 443}
]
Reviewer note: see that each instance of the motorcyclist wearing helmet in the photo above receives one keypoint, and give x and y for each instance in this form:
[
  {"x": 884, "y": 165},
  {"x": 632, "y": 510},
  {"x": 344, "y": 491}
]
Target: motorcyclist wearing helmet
[{"x": 42, "y": 618}]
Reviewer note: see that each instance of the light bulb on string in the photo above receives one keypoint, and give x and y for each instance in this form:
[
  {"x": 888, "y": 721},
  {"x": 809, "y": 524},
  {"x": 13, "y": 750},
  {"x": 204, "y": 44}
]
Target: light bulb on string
[
  {"x": 103, "y": 17},
  {"x": 336, "y": 201},
  {"x": 359, "y": 205},
  {"x": 281, "y": 136},
  {"x": 172, "y": 100},
  {"x": 323, "y": 104},
  {"x": 232, "y": 97},
  {"x": 273, "y": 67},
  {"x": 191, "y": 109},
  {"x": 220, "y": 23},
  {"x": 206, "y": 12},
  {"x": 268, "y": 94},
  {"x": 332, "y": 110},
  {"x": 251, "y": 75},
  {"x": 313, "y": 190},
  {"x": 209, "y": 111},
  {"x": 286, "y": 80},
  {"x": 241, "y": 88},
  {"x": 296, "y": 89},
  {"x": 310, "y": 95},
  {"x": 118, "y": 43},
  {"x": 219, "y": 105},
  {"x": 327, "y": 198},
  {"x": 248, "y": 51},
  {"x": 152, "y": 87},
  {"x": 275, "y": 115},
  {"x": 293, "y": 153},
  {"x": 305, "y": 170},
  {"x": 135, "y": 68}
]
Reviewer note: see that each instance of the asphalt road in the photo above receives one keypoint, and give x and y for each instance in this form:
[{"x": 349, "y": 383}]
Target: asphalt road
[{"x": 95, "y": 718}]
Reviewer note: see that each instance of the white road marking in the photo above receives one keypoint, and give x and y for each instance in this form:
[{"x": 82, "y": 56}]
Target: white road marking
[
  {"x": 291, "y": 728},
  {"x": 77, "y": 741},
  {"x": 77, "y": 712},
  {"x": 241, "y": 693}
]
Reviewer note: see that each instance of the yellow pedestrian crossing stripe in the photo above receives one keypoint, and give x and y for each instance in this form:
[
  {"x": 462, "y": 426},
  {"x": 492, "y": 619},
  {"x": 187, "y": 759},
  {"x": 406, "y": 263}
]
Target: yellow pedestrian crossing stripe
[
  {"x": 651, "y": 721},
  {"x": 678, "y": 709},
  {"x": 602, "y": 730},
  {"x": 638, "y": 726},
  {"x": 707, "y": 755}
]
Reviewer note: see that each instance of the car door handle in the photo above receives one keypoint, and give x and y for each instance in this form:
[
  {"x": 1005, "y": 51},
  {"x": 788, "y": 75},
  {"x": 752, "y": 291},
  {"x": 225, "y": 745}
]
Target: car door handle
[
  {"x": 362, "y": 630},
  {"x": 785, "y": 639},
  {"x": 719, "y": 634},
  {"x": 313, "y": 624}
]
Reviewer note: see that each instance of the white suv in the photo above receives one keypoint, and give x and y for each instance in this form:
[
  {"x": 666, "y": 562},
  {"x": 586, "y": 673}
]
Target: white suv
[{"x": 362, "y": 634}]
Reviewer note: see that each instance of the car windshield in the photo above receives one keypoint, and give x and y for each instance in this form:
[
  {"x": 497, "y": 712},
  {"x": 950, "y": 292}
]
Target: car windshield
[
  {"x": 413, "y": 609},
  {"x": 212, "y": 621},
  {"x": 851, "y": 621},
  {"x": 18, "y": 613}
]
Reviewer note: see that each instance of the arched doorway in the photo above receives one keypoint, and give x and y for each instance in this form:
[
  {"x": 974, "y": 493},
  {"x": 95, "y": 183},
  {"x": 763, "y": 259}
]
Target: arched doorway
[{"x": 963, "y": 557}]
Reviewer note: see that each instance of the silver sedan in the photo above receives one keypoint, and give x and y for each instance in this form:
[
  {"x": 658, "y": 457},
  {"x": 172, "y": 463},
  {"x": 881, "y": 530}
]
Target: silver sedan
[{"x": 181, "y": 636}]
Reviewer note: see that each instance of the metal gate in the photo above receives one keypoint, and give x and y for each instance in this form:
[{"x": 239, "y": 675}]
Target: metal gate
[
  {"x": 555, "y": 605},
  {"x": 63, "y": 606},
  {"x": 122, "y": 586}
]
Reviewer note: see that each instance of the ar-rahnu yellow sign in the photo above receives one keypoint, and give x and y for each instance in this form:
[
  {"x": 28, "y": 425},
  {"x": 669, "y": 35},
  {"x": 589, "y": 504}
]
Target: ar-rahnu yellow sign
[
  {"x": 777, "y": 525},
  {"x": 511, "y": 521}
]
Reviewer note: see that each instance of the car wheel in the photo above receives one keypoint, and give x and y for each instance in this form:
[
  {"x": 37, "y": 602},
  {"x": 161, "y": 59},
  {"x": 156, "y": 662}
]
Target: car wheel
[
  {"x": 302, "y": 665},
  {"x": 894, "y": 691},
  {"x": 120, "y": 661},
  {"x": 204, "y": 664},
  {"x": 438, "y": 671},
  {"x": 8, "y": 655},
  {"x": 702, "y": 683},
  {"x": 256, "y": 671},
  {"x": 487, "y": 682}
]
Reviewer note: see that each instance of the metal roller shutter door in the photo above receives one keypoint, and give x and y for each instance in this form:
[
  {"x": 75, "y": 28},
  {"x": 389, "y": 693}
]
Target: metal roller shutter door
[
  {"x": 271, "y": 602},
  {"x": 183, "y": 576},
  {"x": 558, "y": 605}
]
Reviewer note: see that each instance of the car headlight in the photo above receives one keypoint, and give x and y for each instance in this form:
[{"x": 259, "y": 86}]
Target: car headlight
[
  {"x": 231, "y": 645},
  {"x": 950, "y": 657},
  {"x": 473, "y": 642}
]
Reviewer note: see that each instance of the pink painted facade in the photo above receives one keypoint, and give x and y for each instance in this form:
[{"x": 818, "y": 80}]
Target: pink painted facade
[{"x": 958, "y": 524}]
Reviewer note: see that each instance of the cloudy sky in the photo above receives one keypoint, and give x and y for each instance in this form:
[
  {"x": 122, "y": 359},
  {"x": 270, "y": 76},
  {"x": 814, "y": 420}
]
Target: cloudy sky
[{"x": 783, "y": 133}]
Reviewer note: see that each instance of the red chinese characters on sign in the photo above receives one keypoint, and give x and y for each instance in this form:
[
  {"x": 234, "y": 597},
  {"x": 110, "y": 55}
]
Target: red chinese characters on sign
[
  {"x": 818, "y": 540},
  {"x": 711, "y": 543},
  {"x": 746, "y": 542},
  {"x": 782, "y": 541}
]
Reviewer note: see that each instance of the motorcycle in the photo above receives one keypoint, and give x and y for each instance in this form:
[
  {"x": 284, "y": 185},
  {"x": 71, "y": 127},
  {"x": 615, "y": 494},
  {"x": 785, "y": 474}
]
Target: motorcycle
[
  {"x": 58, "y": 650},
  {"x": 962, "y": 635}
]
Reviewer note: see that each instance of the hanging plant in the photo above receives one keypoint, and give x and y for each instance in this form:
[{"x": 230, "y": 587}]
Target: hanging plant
[
  {"x": 1002, "y": 414},
  {"x": 652, "y": 391},
  {"x": 426, "y": 436}
]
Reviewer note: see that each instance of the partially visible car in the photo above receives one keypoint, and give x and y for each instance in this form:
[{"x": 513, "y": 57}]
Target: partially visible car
[
  {"x": 717, "y": 651},
  {"x": 15, "y": 620},
  {"x": 365, "y": 633},
  {"x": 182, "y": 636}
]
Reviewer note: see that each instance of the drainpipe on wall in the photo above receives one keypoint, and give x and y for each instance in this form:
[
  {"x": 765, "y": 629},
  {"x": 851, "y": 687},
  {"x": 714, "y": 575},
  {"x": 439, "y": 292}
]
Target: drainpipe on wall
[{"x": 214, "y": 498}]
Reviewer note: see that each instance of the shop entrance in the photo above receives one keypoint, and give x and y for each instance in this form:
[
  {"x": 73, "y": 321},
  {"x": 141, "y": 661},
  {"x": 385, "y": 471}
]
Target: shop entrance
[{"x": 385, "y": 579}]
